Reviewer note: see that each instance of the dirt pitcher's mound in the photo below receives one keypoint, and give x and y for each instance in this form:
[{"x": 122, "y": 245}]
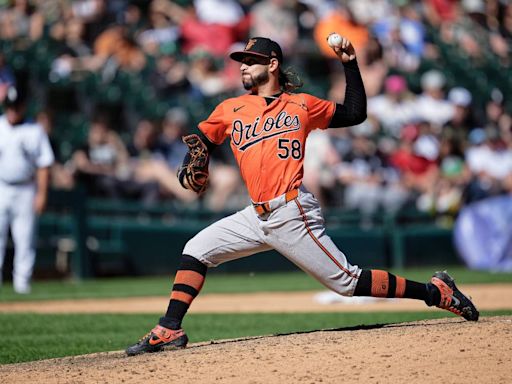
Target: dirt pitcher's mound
[{"x": 434, "y": 351}]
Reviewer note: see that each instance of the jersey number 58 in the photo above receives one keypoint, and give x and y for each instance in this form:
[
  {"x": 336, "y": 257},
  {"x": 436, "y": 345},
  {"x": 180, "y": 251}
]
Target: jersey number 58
[{"x": 287, "y": 148}]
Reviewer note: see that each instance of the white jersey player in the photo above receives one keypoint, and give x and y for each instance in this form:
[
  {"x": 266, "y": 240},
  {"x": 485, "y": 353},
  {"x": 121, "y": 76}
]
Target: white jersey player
[{"x": 25, "y": 158}]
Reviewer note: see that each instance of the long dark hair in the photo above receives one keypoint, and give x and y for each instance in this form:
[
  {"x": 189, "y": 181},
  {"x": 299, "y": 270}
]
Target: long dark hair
[{"x": 289, "y": 80}]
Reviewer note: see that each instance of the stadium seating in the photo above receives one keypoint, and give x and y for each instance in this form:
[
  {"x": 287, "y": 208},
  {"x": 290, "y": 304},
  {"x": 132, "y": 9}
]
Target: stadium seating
[{"x": 126, "y": 237}]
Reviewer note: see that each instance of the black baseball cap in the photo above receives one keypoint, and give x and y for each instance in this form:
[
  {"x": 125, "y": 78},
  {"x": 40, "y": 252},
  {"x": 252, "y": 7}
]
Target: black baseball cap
[
  {"x": 14, "y": 97},
  {"x": 259, "y": 47}
]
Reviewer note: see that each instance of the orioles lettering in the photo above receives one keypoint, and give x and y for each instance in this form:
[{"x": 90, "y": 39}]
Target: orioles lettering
[{"x": 245, "y": 135}]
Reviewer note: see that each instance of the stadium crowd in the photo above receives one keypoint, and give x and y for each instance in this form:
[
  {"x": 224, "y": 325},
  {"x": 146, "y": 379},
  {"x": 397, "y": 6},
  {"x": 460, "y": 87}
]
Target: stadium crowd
[{"x": 139, "y": 74}]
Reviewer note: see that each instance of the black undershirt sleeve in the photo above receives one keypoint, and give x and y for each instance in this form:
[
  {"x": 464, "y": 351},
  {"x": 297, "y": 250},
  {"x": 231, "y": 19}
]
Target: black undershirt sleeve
[
  {"x": 211, "y": 146},
  {"x": 353, "y": 110}
]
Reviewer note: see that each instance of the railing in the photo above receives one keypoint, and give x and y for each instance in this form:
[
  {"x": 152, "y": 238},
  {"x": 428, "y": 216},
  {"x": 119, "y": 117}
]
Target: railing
[{"x": 96, "y": 231}]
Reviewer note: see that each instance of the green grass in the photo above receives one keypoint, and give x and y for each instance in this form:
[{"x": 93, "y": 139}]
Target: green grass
[
  {"x": 217, "y": 283},
  {"x": 27, "y": 337}
]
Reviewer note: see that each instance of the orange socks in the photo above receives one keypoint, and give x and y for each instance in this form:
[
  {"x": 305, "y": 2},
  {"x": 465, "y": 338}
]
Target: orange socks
[
  {"x": 385, "y": 284},
  {"x": 378, "y": 283},
  {"x": 187, "y": 284}
]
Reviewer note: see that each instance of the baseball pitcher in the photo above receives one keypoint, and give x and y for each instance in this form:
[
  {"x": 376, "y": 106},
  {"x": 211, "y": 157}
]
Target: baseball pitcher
[
  {"x": 267, "y": 128},
  {"x": 25, "y": 158}
]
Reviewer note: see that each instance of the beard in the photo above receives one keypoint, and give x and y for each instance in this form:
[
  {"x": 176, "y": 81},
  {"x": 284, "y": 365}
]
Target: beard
[{"x": 255, "y": 82}]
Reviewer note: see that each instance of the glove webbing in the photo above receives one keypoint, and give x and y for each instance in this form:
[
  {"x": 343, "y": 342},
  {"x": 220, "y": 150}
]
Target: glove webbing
[{"x": 196, "y": 171}]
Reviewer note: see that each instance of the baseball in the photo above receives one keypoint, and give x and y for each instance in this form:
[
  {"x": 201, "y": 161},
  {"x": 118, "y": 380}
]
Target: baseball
[{"x": 334, "y": 40}]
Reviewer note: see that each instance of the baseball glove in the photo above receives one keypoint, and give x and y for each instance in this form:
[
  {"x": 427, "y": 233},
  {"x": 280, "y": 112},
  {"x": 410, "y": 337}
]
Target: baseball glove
[{"x": 195, "y": 172}]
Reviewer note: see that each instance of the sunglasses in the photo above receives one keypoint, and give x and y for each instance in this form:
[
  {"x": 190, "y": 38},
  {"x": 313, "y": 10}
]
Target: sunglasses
[{"x": 249, "y": 60}]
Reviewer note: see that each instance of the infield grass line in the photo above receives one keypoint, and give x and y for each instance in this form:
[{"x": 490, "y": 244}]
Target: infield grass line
[{"x": 28, "y": 336}]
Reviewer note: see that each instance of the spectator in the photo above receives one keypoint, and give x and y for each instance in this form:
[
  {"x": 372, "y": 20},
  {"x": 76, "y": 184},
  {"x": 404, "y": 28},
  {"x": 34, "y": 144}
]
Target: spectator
[
  {"x": 490, "y": 163},
  {"x": 499, "y": 43},
  {"x": 74, "y": 48},
  {"x": 227, "y": 14},
  {"x": 463, "y": 119},
  {"x": 506, "y": 23},
  {"x": 359, "y": 173},
  {"x": 21, "y": 20},
  {"x": 131, "y": 16},
  {"x": 61, "y": 173},
  {"x": 497, "y": 117},
  {"x": 204, "y": 77},
  {"x": 445, "y": 198},
  {"x": 402, "y": 37},
  {"x": 169, "y": 77},
  {"x": 340, "y": 19},
  {"x": 412, "y": 30},
  {"x": 438, "y": 12},
  {"x": 223, "y": 12},
  {"x": 494, "y": 108},
  {"x": 148, "y": 168},
  {"x": 101, "y": 160},
  {"x": 396, "y": 53},
  {"x": 319, "y": 159},
  {"x": 276, "y": 20},
  {"x": 200, "y": 27},
  {"x": 454, "y": 170},
  {"x": 431, "y": 105},
  {"x": 373, "y": 67},
  {"x": 394, "y": 108},
  {"x": 226, "y": 191},
  {"x": 480, "y": 186},
  {"x": 88, "y": 10},
  {"x": 461, "y": 98},
  {"x": 416, "y": 161},
  {"x": 369, "y": 12},
  {"x": 467, "y": 32},
  {"x": 366, "y": 180},
  {"x": 116, "y": 47},
  {"x": 115, "y": 43},
  {"x": 175, "y": 125},
  {"x": 162, "y": 31},
  {"x": 94, "y": 13},
  {"x": 52, "y": 11}
]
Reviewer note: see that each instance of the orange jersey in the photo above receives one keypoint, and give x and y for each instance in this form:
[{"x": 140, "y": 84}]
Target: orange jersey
[{"x": 268, "y": 141}]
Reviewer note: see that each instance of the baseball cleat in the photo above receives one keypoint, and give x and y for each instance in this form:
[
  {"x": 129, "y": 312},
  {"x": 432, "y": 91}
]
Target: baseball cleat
[
  {"x": 159, "y": 339},
  {"x": 452, "y": 299}
]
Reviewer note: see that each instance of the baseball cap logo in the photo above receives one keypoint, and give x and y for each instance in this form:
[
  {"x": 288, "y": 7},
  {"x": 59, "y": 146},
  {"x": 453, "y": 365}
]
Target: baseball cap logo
[
  {"x": 259, "y": 47},
  {"x": 250, "y": 44}
]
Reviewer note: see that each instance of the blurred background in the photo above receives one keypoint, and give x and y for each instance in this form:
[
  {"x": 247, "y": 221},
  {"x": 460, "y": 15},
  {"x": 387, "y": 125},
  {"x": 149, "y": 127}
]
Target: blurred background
[{"x": 425, "y": 180}]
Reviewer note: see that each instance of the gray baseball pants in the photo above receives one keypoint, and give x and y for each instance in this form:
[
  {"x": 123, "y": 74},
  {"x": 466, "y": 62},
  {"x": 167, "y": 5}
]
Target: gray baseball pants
[{"x": 294, "y": 228}]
